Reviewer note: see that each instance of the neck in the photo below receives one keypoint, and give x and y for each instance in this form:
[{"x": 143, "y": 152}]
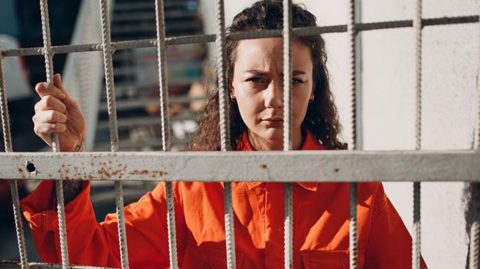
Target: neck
[{"x": 261, "y": 144}]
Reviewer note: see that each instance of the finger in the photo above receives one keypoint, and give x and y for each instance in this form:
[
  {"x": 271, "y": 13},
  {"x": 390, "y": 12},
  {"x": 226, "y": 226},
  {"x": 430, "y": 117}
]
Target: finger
[
  {"x": 44, "y": 89},
  {"x": 69, "y": 101},
  {"x": 45, "y": 130},
  {"x": 57, "y": 82},
  {"x": 50, "y": 103},
  {"x": 49, "y": 116}
]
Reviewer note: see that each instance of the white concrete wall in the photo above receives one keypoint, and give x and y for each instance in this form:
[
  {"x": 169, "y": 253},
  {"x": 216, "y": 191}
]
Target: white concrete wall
[{"x": 450, "y": 63}]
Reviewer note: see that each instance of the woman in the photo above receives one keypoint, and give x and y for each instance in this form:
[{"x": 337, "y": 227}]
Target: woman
[{"x": 256, "y": 102}]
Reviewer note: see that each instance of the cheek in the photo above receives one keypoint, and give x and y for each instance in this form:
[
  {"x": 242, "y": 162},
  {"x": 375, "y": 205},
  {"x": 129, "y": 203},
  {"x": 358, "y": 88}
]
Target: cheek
[
  {"x": 249, "y": 102},
  {"x": 248, "y": 108},
  {"x": 300, "y": 102},
  {"x": 299, "y": 113}
]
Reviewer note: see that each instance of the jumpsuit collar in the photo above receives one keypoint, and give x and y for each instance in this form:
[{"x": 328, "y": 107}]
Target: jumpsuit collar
[{"x": 309, "y": 143}]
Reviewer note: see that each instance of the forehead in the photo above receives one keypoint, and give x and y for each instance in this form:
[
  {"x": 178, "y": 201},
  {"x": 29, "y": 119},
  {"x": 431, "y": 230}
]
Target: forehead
[{"x": 269, "y": 51}]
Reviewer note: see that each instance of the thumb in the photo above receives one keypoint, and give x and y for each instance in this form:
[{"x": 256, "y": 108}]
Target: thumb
[
  {"x": 57, "y": 81},
  {"x": 69, "y": 101}
]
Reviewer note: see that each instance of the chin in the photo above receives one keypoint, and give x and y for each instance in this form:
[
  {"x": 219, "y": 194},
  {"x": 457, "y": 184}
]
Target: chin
[{"x": 273, "y": 134}]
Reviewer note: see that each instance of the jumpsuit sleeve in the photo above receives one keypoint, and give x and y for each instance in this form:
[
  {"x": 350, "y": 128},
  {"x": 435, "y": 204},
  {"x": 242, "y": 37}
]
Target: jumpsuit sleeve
[
  {"x": 389, "y": 244},
  {"x": 93, "y": 243}
]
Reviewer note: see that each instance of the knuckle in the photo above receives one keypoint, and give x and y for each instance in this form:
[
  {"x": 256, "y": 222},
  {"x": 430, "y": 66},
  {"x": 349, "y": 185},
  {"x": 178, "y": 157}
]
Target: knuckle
[
  {"x": 48, "y": 100},
  {"x": 37, "y": 130},
  {"x": 42, "y": 104},
  {"x": 49, "y": 86},
  {"x": 63, "y": 108},
  {"x": 63, "y": 118},
  {"x": 47, "y": 116},
  {"x": 36, "y": 107},
  {"x": 50, "y": 115}
]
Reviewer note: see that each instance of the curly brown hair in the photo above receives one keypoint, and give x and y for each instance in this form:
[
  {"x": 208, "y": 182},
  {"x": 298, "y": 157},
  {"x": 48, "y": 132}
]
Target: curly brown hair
[{"x": 321, "y": 117}]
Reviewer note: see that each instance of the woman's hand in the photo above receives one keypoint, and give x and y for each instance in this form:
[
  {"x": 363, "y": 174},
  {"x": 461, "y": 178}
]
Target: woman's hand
[{"x": 57, "y": 112}]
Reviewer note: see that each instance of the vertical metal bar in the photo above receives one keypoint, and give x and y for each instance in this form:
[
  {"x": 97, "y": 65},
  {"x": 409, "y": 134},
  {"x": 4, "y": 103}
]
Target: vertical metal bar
[
  {"x": 416, "y": 247},
  {"x": 222, "y": 76},
  {"x": 287, "y": 127},
  {"x": 112, "y": 116},
  {"x": 48, "y": 55},
  {"x": 224, "y": 128},
  {"x": 162, "y": 74},
  {"x": 358, "y": 79},
  {"x": 473, "y": 259},
  {"x": 163, "y": 87},
  {"x": 416, "y": 242},
  {"x": 474, "y": 248},
  {"x": 7, "y": 139},
  {"x": 352, "y": 33},
  {"x": 353, "y": 226},
  {"x": 288, "y": 226}
]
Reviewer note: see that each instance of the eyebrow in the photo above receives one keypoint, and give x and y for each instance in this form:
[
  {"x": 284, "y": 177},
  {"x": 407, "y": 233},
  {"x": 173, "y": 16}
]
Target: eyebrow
[{"x": 258, "y": 72}]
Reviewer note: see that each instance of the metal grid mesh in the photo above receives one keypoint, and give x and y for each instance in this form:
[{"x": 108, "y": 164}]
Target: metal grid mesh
[{"x": 469, "y": 159}]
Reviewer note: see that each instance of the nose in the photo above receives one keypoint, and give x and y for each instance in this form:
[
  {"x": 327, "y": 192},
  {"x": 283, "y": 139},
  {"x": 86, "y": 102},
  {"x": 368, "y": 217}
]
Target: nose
[{"x": 274, "y": 94}]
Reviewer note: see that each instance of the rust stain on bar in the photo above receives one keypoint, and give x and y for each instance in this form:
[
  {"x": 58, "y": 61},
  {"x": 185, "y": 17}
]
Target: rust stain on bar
[{"x": 153, "y": 173}]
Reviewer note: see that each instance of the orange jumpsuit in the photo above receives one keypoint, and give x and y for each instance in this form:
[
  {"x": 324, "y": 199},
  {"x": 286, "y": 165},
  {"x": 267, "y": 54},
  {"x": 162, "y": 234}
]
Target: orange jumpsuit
[{"x": 320, "y": 232}]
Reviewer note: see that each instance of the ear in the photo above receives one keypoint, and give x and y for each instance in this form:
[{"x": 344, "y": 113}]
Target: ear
[{"x": 231, "y": 91}]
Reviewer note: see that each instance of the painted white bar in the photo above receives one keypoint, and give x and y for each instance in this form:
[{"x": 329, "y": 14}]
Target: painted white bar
[{"x": 322, "y": 166}]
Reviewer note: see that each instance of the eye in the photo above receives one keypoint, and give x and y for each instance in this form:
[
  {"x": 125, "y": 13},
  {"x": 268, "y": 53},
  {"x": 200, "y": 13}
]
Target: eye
[
  {"x": 297, "y": 81},
  {"x": 259, "y": 80}
]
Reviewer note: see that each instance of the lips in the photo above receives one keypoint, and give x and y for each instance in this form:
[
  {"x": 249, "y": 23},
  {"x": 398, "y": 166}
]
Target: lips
[
  {"x": 274, "y": 119},
  {"x": 273, "y": 122}
]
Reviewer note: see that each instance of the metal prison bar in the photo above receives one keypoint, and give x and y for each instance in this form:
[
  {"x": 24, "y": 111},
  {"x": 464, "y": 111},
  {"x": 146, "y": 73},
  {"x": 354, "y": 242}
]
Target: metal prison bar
[
  {"x": 416, "y": 237},
  {"x": 287, "y": 129},
  {"x": 112, "y": 117},
  {"x": 336, "y": 166},
  {"x": 224, "y": 128},
  {"x": 351, "y": 31},
  {"x": 13, "y": 184},
  {"x": 48, "y": 56}
]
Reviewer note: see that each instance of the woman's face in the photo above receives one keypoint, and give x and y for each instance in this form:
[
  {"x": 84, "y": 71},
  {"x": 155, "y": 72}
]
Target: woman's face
[{"x": 257, "y": 87}]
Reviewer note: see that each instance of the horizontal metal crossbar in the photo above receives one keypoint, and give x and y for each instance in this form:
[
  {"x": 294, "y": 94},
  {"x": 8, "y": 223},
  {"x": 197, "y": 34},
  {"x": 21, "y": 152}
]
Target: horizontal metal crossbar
[
  {"x": 304, "y": 31},
  {"x": 308, "y": 166}
]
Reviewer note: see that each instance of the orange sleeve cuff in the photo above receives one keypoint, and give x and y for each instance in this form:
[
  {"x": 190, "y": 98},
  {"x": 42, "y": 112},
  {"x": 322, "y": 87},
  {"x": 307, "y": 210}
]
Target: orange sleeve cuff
[{"x": 39, "y": 208}]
